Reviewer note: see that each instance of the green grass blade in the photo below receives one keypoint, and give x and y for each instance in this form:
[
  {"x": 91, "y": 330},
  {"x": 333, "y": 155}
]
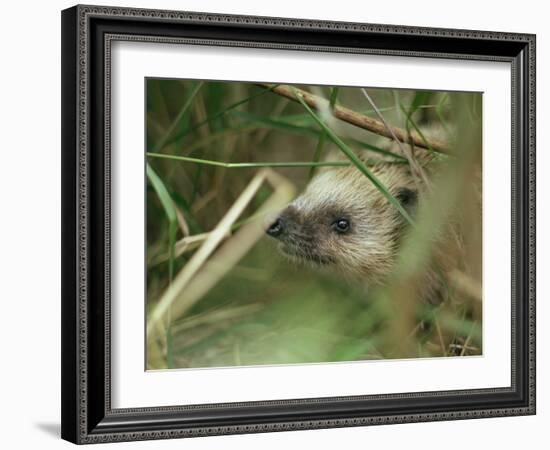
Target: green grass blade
[
  {"x": 365, "y": 145},
  {"x": 442, "y": 119},
  {"x": 411, "y": 122},
  {"x": 317, "y": 152},
  {"x": 169, "y": 348},
  {"x": 355, "y": 160},
  {"x": 213, "y": 94},
  {"x": 275, "y": 123},
  {"x": 196, "y": 179},
  {"x": 419, "y": 100},
  {"x": 281, "y": 123},
  {"x": 333, "y": 96},
  {"x": 183, "y": 204},
  {"x": 170, "y": 210},
  {"x": 322, "y": 137},
  {"x": 209, "y": 162},
  {"x": 219, "y": 114},
  {"x": 179, "y": 118}
]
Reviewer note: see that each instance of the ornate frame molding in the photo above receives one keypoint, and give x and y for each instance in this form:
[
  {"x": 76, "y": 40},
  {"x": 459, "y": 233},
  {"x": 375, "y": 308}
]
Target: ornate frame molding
[{"x": 87, "y": 422}]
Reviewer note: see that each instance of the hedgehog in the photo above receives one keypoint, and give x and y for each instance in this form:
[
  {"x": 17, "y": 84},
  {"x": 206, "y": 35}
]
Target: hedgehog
[{"x": 342, "y": 222}]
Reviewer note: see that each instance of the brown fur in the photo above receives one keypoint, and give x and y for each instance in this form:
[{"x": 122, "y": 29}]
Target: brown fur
[{"x": 369, "y": 249}]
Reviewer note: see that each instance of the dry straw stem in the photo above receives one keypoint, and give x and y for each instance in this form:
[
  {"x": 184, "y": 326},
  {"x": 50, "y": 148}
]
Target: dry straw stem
[
  {"x": 465, "y": 284},
  {"x": 360, "y": 120},
  {"x": 216, "y": 317},
  {"x": 198, "y": 275},
  {"x": 190, "y": 243},
  {"x": 186, "y": 244},
  {"x": 467, "y": 341},
  {"x": 182, "y": 222}
]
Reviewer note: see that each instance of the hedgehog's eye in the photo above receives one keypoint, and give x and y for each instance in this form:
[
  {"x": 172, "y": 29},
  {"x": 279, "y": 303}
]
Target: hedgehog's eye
[
  {"x": 407, "y": 197},
  {"x": 341, "y": 226}
]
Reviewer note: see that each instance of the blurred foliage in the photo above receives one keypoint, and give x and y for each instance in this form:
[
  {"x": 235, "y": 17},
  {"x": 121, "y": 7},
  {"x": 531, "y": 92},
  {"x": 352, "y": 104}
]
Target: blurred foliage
[{"x": 265, "y": 310}]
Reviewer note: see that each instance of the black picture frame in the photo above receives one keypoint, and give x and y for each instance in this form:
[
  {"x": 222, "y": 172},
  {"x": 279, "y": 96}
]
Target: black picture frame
[{"x": 87, "y": 416}]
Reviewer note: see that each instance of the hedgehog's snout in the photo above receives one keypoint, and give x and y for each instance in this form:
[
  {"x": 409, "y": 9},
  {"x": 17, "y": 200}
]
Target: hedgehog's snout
[
  {"x": 283, "y": 225},
  {"x": 276, "y": 228}
]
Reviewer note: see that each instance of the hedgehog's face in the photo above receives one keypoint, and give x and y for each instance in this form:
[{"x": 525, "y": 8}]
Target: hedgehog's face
[
  {"x": 342, "y": 223},
  {"x": 311, "y": 236}
]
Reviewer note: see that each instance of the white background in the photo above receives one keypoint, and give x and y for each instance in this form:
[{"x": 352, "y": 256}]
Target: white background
[{"x": 30, "y": 225}]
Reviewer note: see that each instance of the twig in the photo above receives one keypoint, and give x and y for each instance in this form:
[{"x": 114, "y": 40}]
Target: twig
[{"x": 359, "y": 120}]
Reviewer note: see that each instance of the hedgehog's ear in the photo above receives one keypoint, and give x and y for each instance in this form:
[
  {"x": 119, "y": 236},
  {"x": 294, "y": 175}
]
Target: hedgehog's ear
[{"x": 408, "y": 199}]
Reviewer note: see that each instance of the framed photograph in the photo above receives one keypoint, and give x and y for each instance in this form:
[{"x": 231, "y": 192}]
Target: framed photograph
[{"x": 280, "y": 224}]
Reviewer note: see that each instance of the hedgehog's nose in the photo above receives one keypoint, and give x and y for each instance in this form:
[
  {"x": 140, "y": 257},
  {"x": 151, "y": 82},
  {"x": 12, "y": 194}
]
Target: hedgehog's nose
[{"x": 275, "y": 229}]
